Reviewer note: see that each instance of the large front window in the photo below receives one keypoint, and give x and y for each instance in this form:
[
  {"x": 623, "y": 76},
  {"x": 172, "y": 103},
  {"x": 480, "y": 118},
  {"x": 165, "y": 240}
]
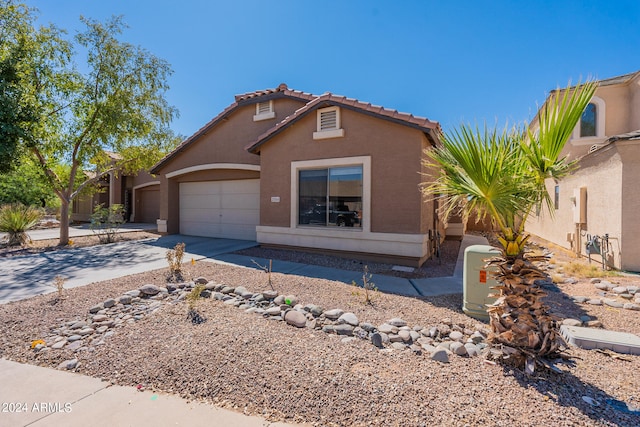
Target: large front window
[
  {"x": 330, "y": 197},
  {"x": 588, "y": 121}
]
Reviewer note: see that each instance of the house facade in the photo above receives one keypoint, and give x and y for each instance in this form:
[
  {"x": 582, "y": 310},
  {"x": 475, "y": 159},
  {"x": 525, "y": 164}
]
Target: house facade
[
  {"x": 292, "y": 169},
  {"x": 139, "y": 194},
  {"x": 595, "y": 208}
]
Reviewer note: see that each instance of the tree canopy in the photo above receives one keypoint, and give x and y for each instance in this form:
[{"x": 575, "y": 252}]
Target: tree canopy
[{"x": 115, "y": 104}]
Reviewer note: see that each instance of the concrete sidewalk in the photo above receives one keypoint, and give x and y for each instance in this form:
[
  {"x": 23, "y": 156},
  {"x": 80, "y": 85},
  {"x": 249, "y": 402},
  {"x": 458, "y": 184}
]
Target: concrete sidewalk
[
  {"x": 84, "y": 230},
  {"x": 42, "y": 397}
]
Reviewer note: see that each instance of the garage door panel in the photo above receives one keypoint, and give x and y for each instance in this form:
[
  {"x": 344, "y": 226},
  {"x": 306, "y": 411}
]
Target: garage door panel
[{"x": 225, "y": 209}]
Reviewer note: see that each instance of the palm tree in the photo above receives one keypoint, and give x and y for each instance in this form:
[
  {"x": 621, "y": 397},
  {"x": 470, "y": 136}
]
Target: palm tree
[{"x": 502, "y": 175}]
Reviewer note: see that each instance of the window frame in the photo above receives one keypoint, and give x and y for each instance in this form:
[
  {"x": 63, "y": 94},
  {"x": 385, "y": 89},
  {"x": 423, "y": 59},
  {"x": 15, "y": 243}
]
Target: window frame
[
  {"x": 363, "y": 161},
  {"x": 600, "y": 112}
]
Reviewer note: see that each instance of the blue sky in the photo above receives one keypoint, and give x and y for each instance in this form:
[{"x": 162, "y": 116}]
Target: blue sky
[{"x": 451, "y": 61}]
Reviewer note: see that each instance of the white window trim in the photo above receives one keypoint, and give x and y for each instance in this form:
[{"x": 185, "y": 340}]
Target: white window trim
[
  {"x": 364, "y": 161},
  {"x": 264, "y": 116},
  {"x": 576, "y": 139},
  {"x": 338, "y": 132}
]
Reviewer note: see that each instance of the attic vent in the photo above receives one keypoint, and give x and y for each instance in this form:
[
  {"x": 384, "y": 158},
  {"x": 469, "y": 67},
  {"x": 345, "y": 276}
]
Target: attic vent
[
  {"x": 328, "y": 124},
  {"x": 328, "y": 120},
  {"x": 594, "y": 148},
  {"x": 264, "y": 111},
  {"x": 264, "y": 107}
]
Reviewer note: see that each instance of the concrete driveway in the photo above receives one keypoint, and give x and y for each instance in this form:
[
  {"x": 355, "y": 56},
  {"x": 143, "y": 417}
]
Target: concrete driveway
[{"x": 26, "y": 276}]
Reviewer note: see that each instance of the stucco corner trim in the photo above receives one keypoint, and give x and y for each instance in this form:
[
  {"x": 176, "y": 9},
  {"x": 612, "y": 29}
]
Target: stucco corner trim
[
  {"x": 210, "y": 166},
  {"x": 146, "y": 184}
]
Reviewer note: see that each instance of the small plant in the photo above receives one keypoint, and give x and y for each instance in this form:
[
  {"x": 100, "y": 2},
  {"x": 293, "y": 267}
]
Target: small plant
[
  {"x": 15, "y": 220},
  {"x": 106, "y": 221},
  {"x": 174, "y": 258},
  {"x": 192, "y": 299},
  {"x": 370, "y": 289},
  {"x": 266, "y": 270},
  {"x": 587, "y": 270},
  {"x": 58, "y": 283}
]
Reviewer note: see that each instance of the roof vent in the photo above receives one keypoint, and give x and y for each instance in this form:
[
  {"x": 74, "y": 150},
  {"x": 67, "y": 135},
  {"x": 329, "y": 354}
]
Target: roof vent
[
  {"x": 594, "y": 148},
  {"x": 282, "y": 86}
]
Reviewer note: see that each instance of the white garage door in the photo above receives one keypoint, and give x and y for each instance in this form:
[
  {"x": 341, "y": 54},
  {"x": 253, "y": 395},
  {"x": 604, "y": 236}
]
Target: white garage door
[{"x": 227, "y": 209}]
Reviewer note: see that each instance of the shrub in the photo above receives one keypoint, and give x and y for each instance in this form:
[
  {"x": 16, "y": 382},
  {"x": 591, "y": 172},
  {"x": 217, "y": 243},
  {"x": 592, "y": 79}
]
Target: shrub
[
  {"x": 106, "y": 221},
  {"x": 16, "y": 219},
  {"x": 174, "y": 258}
]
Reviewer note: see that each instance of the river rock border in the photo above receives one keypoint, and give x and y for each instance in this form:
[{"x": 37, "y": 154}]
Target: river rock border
[{"x": 437, "y": 342}]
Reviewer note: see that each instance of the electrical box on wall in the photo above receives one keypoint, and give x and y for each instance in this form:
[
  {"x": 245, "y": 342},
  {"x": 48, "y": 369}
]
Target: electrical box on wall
[{"x": 580, "y": 205}]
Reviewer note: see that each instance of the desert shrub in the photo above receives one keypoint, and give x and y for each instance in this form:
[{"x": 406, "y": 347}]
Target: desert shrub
[
  {"x": 174, "y": 259},
  {"x": 370, "y": 289},
  {"x": 16, "y": 219},
  {"x": 106, "y": 221}
]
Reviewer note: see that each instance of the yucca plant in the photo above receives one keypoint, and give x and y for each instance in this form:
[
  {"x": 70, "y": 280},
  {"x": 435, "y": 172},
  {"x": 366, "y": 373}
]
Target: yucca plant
[
  {"x": 502, "y": 174},
  {"x": 15, "y": 220}
]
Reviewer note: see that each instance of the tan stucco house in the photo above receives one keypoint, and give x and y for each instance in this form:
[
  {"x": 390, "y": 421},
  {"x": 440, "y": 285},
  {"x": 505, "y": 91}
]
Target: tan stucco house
[
  {"x": 600, "y": 201},
  {"x": 292, "y": 169},
  {"x": 139, "y": 194}
]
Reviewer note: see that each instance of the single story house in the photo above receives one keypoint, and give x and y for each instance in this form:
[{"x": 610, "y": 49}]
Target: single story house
[
  {"x": 596, "y": 207},
  {"x": 139, "y": 194},
  {"x": 292, "y": 169}
]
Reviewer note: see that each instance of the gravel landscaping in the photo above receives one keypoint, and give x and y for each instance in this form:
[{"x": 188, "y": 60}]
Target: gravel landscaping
[{"x": 253, "y": 363}]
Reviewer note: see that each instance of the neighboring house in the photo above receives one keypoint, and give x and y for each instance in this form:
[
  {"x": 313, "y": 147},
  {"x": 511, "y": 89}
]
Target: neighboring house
[
  {"x": 140, "y": 195},
  {"x": 291, "y": 169},
  {"x": 600, "y": 199}
]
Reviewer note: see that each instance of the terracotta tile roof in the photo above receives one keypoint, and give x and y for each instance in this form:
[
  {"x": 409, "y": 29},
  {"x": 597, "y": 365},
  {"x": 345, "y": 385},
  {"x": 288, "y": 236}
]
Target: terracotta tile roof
[
  {"x": 328, "y": 99},
  {"x": 282, "y": 91}
]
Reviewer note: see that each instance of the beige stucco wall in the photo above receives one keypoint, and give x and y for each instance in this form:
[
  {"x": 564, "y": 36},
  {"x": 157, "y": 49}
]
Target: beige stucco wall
[
  {"x": 399, "y": 218},
  {"x": 601, "y": 173},
  {"x": 395, "y": 151},
  {"x": 630, "y": 201},
  {"x": 223, "y": 144}
]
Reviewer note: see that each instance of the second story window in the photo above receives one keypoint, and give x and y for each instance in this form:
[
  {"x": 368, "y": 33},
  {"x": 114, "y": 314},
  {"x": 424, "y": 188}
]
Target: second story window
[
  {"x": 588, "y": 121},
  {"x": 264, "y": 111}
]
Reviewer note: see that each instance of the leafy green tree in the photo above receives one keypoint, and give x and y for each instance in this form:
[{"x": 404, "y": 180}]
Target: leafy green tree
[
  {"x": 27, "y": 184},
  {"x": 502, "y": 174},
  {"x": 15, "y": 113},
  {"x": 116, "y": 105}
]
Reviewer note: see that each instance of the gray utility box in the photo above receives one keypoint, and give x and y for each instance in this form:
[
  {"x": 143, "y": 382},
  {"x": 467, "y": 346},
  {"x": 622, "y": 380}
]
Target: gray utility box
[{"x": 478, "y": 280}]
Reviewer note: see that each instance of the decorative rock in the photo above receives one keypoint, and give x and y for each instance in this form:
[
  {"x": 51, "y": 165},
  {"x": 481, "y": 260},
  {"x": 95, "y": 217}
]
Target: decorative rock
[
  {"x": 279, "y": 300},
  {"x": 631, "y": 306},
  {"x": 633, "y": 289},
  {"x": 580, "y": 299},
  {"x": 613, "y": 303},
  {"x": 78, "y": 325},
  {"x": 604, "y": 286},
  {"x": 440, "y": 355},
  {"x": 328, "y": 329},
  {"x": 398, "y": 346},
  {"x": 349, "y": 318},
  {"x": 333, "y": 314},
  {"x": 316, "y": 310},
  {"x": 109, "y": 303},
  {"x": 149, "y": 290},
  {"x": 595, "y": 280},
  {"x": 96, "y": 308},
  {"x": 86, "y": 331},
  {"x": 312, "y": 324},
  {"x": 347, "y": 340},
  {"x": 368, "y": 327},
  {"x": 376, "y": 339},
  {"x": 343, "y": 329},
  {"x": 477, "y": 337},
  {"x": 404, "y": 335},
  {"x": 133, "y": 294},
  {"x": 125, "y": 299},
  {"x": 240, "y": 290},
  {"x": 387, "y": 328},
  {"x": 458, "y": 348},
  {"x": 272, "y": 311},
  {"x": 68, "y": 364},
  {"x": 295, "y": 318},
  {"x": 626, "y": 296},
  {"x": 58, "y": 345},
  {"x": 205, "y": 293},
  {"x": 100, "y": 318},
  {"x": 226, "y": 290},
  {"x": 619, "y": 290},
  {"x": 269, "y": 294},
  {"x": 472, "y": 349},
  {"x": 102, "y": 329},
  {"x": 608, "y": 285},
  {"x": 456, "y": 336},
  {"x": 75, "y": 345},
  {"x": 595, "y": 301},
  {"x": 397, "y": 322},
  {"x": 291, "y": 300},
  {"x": 201, "y": 281},
  {"x": 570, "y": 280},
  {"x": 415, "y": 336},
  {"x": 395, "y": 338},
  {"x": 572, "y": 322}
]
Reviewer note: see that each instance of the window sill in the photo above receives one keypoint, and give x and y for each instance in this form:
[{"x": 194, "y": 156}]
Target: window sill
[
  {"x": 326, "y": 134},
  {"x": 264, "y": 116}
]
